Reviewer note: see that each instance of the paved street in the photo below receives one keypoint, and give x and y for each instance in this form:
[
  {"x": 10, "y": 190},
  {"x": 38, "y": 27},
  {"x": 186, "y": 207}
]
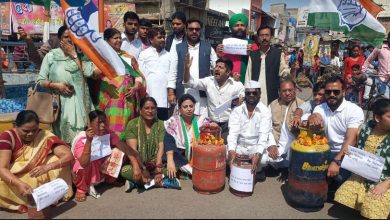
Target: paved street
[{"x": 266, "y": 202}]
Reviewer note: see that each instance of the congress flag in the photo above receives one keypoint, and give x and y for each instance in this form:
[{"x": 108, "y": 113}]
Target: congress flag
[
  {"x": 89, "y": 40},
  {"x": 356, "y": 18}
]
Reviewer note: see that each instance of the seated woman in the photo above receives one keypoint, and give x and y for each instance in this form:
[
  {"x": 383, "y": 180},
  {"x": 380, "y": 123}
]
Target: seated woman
[
  {"x": 88, "y": 173},
  {"x": 182, "y": 133},
  {"x": 145, "y": 134},
  {"x": 371, "y": 199},
  {"x": 30, "y": 157}
]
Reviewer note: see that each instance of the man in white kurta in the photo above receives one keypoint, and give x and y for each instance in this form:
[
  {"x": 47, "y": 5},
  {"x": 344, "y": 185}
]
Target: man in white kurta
[{"x": 249, "y": 126}]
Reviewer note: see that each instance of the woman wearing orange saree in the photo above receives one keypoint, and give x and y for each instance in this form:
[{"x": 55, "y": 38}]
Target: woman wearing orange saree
[{"x": 30, "y": 157}]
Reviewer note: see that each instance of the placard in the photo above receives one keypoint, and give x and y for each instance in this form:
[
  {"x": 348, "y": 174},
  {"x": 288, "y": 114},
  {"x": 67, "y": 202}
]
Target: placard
[
  {"x": 241, "y": 179},
  {"x": 49, "y": 193},
  {"x": 100, "y": 147},
  {"x": 235, "y": 46},
  {"x": 364, "y": 164},
  {"x": 112, "y": 165}
]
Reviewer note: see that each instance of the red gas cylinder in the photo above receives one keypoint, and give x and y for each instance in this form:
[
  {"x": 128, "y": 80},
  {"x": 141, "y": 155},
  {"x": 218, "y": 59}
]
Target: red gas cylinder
[{"x": 209, "y": 168}]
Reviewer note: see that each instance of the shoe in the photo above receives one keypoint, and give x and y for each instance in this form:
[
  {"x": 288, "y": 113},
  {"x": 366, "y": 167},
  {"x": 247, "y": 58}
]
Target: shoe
[
  {"x": 129, "y": 186},
  {"x": 187, "y": 169},
  {"x": 93, "y": 192},
  {"x": 173, "y": 183},
  {"x": 260, "y": 176}
]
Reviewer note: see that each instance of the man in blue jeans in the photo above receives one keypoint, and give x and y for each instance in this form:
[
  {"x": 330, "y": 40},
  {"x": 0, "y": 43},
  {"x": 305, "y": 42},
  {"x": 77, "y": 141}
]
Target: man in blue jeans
[{"x": 341, "y": 120}]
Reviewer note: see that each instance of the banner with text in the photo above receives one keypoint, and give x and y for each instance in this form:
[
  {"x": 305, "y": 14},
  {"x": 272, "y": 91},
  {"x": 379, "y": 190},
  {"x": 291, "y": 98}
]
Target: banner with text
[
  {"x": 5, "y": 13},
  {"x": 113, "y": 15},
  {"x": 32, "y": 17}
]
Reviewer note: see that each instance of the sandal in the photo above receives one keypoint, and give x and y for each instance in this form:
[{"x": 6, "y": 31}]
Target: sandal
[
  {"x": 80, "y": 197},
  {"x": 22, "y": 209}
]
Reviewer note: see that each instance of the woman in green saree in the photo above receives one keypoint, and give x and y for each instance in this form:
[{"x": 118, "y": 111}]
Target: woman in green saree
[{"x": 145, "y": 134}]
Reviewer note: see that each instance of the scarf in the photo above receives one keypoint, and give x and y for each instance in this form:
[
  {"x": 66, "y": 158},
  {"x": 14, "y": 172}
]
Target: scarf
[
  {"x": 148, "y": 143},
  {"x": 195, "y": 137}
]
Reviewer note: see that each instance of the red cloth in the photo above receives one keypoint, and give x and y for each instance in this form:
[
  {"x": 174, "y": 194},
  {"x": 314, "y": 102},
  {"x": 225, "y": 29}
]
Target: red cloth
[{"x": 349, "y": 62}]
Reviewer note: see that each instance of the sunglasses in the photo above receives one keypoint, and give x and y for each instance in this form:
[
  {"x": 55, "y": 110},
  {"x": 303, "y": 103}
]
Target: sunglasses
[
  {"x": 334, "y": 91},
  {"x": 254, "y": 93},
  {"x": 194, "y": 29}
]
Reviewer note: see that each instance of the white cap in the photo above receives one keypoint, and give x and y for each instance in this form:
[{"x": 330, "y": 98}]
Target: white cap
[{"x": 252, "y": 85}]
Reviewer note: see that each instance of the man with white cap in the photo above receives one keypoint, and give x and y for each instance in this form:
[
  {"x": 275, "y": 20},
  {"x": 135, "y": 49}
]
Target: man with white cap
[{"x": 249, "y": 126}]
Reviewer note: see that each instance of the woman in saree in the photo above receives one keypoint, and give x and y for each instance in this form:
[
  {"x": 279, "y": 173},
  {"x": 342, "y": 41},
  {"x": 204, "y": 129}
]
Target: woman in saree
[
  {"x": 370, "y": 198},
  {"x": 120, "y": 103},
  {"x": 182, "y": 133},
  {"x": 88, "y": 173},
  {"x": 63, "y": 72},
  {"x": 30, "y": 157},
  {"x": 145, "y": 134}
]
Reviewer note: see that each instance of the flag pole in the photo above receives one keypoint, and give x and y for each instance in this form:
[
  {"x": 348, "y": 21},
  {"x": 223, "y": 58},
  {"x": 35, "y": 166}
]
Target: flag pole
[{"x": 101, "y": 16}]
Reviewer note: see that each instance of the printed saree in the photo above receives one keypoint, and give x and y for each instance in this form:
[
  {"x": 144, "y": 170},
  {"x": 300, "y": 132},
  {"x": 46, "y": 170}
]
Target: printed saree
[{"x": 24, "y": 159}]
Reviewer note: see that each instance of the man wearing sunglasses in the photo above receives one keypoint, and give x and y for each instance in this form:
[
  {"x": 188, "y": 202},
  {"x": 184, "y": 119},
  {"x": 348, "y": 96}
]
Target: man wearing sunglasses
[
  {"x": 203, "y": 62},
  {"x": 220, "y": 89},
  {"x": 341, "y": 120},
  {"x": 249, "y": 126}
]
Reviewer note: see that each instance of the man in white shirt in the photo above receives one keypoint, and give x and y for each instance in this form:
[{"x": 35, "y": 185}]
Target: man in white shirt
[
  {"x": 219, "y": 88},
  {"x": 249, "y": 126},
  {"x": 130, "y": 42},
  {"x": 154, "y": 63},
  {"x": 203, "y": 62},
  {"x": 341, "y": 120}
]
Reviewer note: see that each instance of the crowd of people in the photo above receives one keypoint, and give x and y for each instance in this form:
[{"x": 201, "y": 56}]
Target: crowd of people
[{"x": 174, "y": 86}]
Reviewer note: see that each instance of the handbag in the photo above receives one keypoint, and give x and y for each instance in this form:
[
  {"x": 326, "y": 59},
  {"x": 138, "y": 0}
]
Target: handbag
[{"x": 46, "y": 105}]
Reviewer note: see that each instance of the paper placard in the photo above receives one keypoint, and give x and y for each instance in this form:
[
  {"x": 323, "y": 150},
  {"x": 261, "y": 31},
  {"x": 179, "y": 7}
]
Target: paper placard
[
  {"x": 49, "y": 193},
  {"x": 235, "y": 46},
  {"x": 224, "y": 106},
  {"x": 241, "y": 179},
  {"x": 112, "y": 165},
  {"x": 100, "y": 147},
  {"x": 364, "y": 164}
]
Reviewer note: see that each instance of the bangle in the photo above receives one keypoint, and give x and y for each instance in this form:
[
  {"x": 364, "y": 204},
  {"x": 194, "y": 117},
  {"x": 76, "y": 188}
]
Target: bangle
[
  {"x": 157, "y": 173},
  {"x": 338, "y": 162},
  {"x": 159, "y": 165},
  {"x": 88, "y": 152}
]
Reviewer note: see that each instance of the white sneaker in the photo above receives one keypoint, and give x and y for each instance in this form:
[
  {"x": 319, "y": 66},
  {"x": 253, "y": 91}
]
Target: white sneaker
[
  {"x": 93, "y": 192},
  {"x": 186, "y": 168}
]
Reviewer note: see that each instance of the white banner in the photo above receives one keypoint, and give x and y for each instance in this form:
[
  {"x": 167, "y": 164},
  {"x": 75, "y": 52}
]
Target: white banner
[
  {"x": 235, "y": 46},
  {"x": 364, "y": 164},
  {"x": 49, "y": 193},
  {"x": 241, "y": 179},
  {"x": 100, "y": 147}
]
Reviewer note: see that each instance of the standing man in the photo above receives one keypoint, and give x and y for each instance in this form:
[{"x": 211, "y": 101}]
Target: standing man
[
  {"x": 155, "y": 63},
  {"x": 203, "y": 62},
  {"x": 341, "y": 120},
  {"x": 249, "y": 126},
  {"x": 144, "y": 26},
  {"x": 179, "y": 30},
  {"x": 130, "y": 42},
  {"x": 219, "y": 88},
  {"x": 238, "y": 24},
  {"x": 266, "y": 65},
  {"x": 383, "y": 56}
]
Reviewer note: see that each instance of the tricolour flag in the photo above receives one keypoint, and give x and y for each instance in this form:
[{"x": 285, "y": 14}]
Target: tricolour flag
[
  {"x": 353, "y": 17},
  {"x": 89, "y": 40}
]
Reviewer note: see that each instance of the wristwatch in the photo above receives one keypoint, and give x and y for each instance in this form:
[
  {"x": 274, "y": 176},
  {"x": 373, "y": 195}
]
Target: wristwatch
[{"x": 338, "y": 162}]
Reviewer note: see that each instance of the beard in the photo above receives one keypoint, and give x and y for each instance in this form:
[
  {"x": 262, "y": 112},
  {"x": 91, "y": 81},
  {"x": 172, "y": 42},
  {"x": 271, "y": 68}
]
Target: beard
[
  {"x": 239, "y": 34},
  {"x": 178, "y": 32}
]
